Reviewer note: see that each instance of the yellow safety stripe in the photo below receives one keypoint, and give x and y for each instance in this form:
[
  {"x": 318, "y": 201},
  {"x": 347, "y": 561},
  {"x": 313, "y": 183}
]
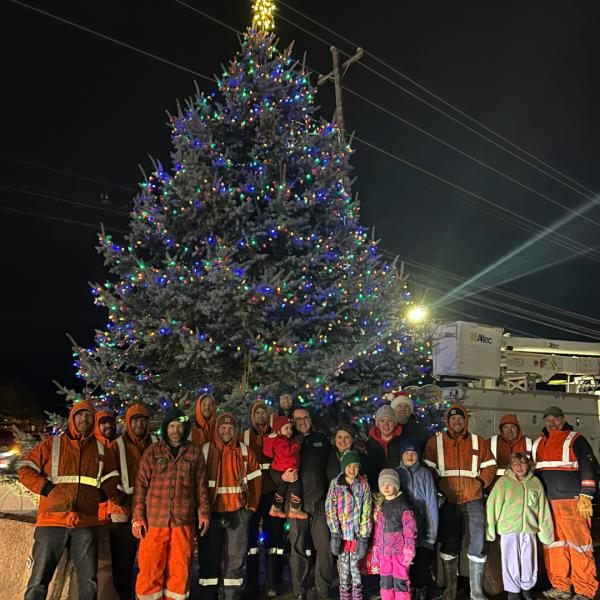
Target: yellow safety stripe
[
  {"x": 123, "y": 464},
  {"x": 82, "y": 480}
]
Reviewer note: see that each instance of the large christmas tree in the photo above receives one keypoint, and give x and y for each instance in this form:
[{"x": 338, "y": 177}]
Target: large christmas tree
[{"x": 246, "y": 270}]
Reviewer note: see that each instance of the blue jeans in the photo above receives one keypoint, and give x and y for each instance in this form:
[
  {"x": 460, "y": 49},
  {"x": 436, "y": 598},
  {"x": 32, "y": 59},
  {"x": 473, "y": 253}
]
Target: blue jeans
[{"x": 48, "y": 546}]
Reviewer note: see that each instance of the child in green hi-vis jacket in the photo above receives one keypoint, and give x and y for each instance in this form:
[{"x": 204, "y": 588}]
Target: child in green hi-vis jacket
[{"x": 518, "y": 510}]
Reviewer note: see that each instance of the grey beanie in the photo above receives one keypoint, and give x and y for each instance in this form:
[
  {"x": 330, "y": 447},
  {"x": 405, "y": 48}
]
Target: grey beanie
[
  {"x": 385, "y": 411},
  {"x": 389, "y": 476}
]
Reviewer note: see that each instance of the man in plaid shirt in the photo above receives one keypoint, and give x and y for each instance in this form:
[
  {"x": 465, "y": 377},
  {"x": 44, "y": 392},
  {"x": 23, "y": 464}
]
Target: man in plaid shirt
[{"x": 170, "y": 493}]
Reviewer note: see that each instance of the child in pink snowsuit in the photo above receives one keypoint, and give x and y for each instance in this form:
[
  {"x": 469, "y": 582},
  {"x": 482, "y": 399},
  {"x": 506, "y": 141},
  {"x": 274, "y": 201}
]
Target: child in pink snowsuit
[{"x": 395, "y": 534}]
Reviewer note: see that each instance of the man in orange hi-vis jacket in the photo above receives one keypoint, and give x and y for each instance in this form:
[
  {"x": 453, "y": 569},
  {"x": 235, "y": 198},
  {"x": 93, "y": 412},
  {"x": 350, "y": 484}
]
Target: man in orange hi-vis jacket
[
  {"x": 234, "y": 483},
  {"x": 566, "y": 465},
  {"x": 72, "y": 473},
  {"x": 463, "y": 466},
  {"x": 170, "y": 494}
]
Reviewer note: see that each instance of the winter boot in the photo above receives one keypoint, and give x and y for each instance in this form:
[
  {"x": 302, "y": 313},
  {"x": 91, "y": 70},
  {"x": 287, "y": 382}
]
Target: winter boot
[
  {"x": 345, "y": 592},
  {"x": 357, "y": 592},
  {"x": 476, "y": 580},
  {"x": 527, "y": 594},
  {"x": 556, "y": 594},
  {"x": 271, "y": 575},
  {"x": 513, "y": 596},
  {"x": 450, "y": 577}
]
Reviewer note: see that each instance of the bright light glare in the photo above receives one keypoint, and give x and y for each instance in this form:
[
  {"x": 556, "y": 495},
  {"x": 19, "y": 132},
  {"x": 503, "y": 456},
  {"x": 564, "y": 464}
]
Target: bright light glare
[{"x": 417, "y": 314}]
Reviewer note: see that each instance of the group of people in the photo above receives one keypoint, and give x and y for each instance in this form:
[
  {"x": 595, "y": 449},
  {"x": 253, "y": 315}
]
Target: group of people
[{"x": 378, "y": 508}]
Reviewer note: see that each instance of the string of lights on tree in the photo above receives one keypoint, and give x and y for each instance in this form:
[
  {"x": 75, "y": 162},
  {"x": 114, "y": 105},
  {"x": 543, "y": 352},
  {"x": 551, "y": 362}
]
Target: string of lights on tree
[{"x": 246, "y": 269}]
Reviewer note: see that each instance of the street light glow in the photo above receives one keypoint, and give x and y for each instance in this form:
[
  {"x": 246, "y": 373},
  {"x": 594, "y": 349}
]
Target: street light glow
[{"x": 417, "y": 314}]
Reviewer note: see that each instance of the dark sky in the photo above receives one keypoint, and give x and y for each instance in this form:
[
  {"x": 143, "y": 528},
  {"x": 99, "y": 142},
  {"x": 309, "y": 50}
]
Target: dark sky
[{"x": 80, "y": 113}]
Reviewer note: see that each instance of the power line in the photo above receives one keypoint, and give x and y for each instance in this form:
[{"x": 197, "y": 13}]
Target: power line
[
  {"x": 63, "y": 200},
  {"x": 501, "y": 292},
  {"x": 81, "y": 176},
  {"x": 577, "y": 213},
  {"x": 61, "y": 219},
  {"x": 554, "y": 237},
  {"x": 111, "y": 39},
  {"x": 445, "y": 102}
]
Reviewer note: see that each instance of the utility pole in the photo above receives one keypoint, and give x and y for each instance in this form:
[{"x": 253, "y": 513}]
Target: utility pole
[{"x": 336, "y": 75}]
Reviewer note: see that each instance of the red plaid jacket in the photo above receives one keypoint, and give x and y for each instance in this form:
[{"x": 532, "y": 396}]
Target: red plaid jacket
[{"x": 171, "y": 492}]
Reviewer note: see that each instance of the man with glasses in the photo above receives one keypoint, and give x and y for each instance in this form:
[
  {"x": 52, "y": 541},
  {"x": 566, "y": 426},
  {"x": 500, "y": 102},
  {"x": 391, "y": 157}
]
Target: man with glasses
[{"x": 312, "y": 533}]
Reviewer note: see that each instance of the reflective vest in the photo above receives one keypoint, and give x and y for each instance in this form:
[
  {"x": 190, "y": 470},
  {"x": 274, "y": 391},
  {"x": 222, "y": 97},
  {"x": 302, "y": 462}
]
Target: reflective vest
[
  {"x": 55, "y": 478},
  {"x": 494, "y": 449},
  {"x": 263, "y": 466},
  {"x": 124, "y": 486},
  {"x": 474, "y": 472},
  {"x": 244, "y": 478},
  {"x": 555, "y": 457}
]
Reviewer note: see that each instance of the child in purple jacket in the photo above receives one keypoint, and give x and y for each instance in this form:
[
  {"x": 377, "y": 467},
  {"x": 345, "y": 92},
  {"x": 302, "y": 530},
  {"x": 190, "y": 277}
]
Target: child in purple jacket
[{"x": 395, "y": 534}]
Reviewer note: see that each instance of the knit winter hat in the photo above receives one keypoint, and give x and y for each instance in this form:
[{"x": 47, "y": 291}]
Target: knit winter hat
[
  {"x": 385, "y": 411},
  {"x": 349, "y": 458},
  {"x": 279, "y": 422},
  {"x": 389, "y": 476},
  {"x": 409, "y": 445},
  {"x": 455, "y": 410},
  {"x": 399, "y": 398}
]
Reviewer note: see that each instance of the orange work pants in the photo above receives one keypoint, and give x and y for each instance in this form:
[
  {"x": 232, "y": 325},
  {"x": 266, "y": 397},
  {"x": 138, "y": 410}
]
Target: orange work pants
[
  {"x": 164, "y": 558},
  {"x": 570, "y": 559}
]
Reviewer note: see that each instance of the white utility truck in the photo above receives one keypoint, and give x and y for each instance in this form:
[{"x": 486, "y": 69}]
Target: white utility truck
[{"x": 492, "y": 373}]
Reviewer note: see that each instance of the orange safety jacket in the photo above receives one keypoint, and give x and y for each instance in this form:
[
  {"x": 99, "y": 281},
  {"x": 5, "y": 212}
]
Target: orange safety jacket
[
  {"x": 68, "y": 471},
  {"x": 565, "y": 463},
  {"x": 254, "y": 437},
  {"x": 233, "y": 473},
  {"x": 129, "y": 449},
  {"x": 103, "y": 507},
  {"x": 203, "y": 431},
  {"x": 463, "y": 465},
  {"x": 502, "y": 450}
]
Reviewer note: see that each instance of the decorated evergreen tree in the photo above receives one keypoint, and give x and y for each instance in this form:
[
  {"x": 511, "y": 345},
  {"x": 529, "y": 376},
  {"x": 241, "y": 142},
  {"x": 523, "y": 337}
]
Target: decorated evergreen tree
[{"x": 246, "y": 269}]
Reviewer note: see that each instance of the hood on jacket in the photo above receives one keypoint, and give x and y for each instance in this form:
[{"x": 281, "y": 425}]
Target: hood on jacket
[
  {"x": 226, "y": 418},
  {"x": 200, "y": 420},
  {"x": 102, "y": 414},
  {"x": 136, "y": 410},
  {"x": 463, "y": 410},
  {"x": 510, "y": 419},
  {"x": 175, "y": 414},
  {"x": 83, "y": 405},
  {"x": 265, "y": 428}
]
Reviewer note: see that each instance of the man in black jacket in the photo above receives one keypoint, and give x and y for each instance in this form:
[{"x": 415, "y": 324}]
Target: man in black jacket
[
  {"x": 311, "y": 534},
  {"x": 411, "y": 428}
]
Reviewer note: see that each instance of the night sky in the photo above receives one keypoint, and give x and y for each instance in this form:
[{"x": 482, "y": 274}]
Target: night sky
[{"x": 81, "y": 113}]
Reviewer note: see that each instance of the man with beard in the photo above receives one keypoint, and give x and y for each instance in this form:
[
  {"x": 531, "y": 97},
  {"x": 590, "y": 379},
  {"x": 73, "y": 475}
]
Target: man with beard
[
  {"x": 272, "y": 527},
  {"x": 234, "y": 481},
  {"x": 123, "y": 545},
  {"x": 170, "y": 494},
  {"x": 203, "y": 430}
]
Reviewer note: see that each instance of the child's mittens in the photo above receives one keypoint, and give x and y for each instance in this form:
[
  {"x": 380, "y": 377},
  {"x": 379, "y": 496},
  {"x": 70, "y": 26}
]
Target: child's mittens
[
  {"x": 335, "y": 544},
  {"x": 407, "y": 558},
  {"x": 362, "y": 547}
]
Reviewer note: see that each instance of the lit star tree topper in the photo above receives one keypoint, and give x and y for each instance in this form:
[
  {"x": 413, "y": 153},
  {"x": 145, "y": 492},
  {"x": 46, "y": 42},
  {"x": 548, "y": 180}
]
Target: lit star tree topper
[
  {"x": 263, "y": 15},
  {"x": 246, "y": 270}
]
